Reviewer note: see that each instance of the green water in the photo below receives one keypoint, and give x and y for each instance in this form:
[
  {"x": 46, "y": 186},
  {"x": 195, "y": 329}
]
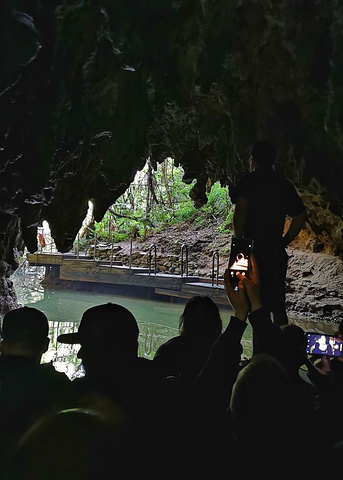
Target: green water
[{"x": 157, "y": 319}]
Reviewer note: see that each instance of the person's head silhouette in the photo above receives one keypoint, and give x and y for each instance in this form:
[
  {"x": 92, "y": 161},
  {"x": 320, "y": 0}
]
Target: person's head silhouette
[
  {"x": 263, "y": 153},
  {"x": 106, "y": 333},
  {"x": 25, "y": 333},
  {"x": 200, "y": 317}
]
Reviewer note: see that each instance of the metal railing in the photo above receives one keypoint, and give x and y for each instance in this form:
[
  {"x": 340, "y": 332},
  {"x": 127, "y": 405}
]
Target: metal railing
[
  {"x": 130, "y": 256},
  {"x": 77, "y": 246},
  {"x": 95, "y": 240},
  {"x": 215, "y": 260},
  {"x": 152, "y": 247},
  {"x": 152, "y": 261},
  {"x": 111, "y": 248},
  {"x": 184, "y": 264}
]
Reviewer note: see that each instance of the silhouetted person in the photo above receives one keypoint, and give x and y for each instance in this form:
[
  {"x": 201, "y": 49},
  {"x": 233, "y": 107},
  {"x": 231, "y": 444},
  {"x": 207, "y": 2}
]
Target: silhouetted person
[
  {"x": 264, "y": 199},
  {"x": 286, "y": 343},
  {"x": 319, "y": 401},
  {"x": 326, "y": 373},
  {"x": 167, "y": 418},
  {"x": 208, "y": 446},
  {"x": 117, "y": 379},
  {"x": 276, "y": 399},
  {"x": 273, "y": 433},
  {"x": 28, "y": 388},
  {"x": 79, "y": 444},
  {"x": 184, "y": 356}
]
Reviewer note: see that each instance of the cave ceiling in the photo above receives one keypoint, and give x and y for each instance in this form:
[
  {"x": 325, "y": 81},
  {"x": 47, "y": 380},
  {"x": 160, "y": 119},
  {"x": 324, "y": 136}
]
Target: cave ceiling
[{"x": 91, "y": 89}]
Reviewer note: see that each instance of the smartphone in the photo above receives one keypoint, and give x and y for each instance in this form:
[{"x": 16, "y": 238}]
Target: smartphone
[
  {"x": 239, "y": 259},
  {"x": 323, "y": 344}
]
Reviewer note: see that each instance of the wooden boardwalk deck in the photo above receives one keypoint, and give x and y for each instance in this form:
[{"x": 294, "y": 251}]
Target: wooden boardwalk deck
[{"x": 69, "y": 267}]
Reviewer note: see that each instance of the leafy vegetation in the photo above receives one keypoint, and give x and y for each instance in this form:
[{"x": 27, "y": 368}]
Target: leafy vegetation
[{"x": 156, "y": 198}]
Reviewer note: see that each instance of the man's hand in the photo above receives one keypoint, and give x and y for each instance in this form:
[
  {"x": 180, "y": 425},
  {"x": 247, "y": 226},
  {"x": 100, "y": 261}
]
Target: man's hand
[
  {"x": 238, "y": 299},
  {"x": 295, "y": 226}
]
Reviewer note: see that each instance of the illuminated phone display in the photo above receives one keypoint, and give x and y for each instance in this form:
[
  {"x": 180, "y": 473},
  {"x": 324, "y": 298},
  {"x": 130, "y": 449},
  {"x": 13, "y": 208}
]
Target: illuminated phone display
[
  {"x": 323, "y": 344},
  {"x": 240, "y": 253}
]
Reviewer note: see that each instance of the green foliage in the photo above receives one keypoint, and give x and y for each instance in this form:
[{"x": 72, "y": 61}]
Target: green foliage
[
  {"x": 120, "y": 237},
  {"x": 81, "y": 243},
  {"x": 218, "y": 202},
  {"x": 157, "y": 198},
  {"x": 185, "y": 213},
  {"x": 227, "y": 223}
]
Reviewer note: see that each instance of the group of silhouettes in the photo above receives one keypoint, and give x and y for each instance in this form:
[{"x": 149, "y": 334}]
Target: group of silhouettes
[{"x": 197, "y": 408}]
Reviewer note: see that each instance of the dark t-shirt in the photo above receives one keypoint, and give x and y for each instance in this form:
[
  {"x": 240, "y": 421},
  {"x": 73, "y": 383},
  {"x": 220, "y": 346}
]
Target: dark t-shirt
[{"x": 271, "y": 197}]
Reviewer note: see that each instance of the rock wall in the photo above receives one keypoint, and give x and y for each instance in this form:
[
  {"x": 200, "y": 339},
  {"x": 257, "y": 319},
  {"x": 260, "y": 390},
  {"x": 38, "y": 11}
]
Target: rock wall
[
  {"x": 314, "y": 287},
  {"x": 89, "y": 90}
]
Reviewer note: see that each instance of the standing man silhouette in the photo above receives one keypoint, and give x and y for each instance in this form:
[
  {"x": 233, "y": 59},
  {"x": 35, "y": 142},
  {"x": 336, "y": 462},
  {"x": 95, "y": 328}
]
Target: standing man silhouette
[{"x": 264, "y": 199}]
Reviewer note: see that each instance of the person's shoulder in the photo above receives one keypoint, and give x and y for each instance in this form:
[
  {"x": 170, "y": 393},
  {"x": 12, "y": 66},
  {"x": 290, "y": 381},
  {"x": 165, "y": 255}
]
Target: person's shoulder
[
  {"x": 49, "y": 369},
  {"x": 170, "y": 345},
  {"x": 172, "y": 342},
  {"x": 79, "y": 384},
  {"x": 256, "y": 177},
  {"x": 247, "y": 177},
  {"x": 49, "y": 372},
  {"x": 285, "y": 183},
  {"x": 282, "y": 177},
  {"x": 147, "y": 372},
  {"x": 243, "y": 186}
]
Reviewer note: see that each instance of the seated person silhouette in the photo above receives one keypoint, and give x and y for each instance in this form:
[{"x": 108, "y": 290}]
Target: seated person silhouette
[
  {"x": 78, "y": 444},
  {"x": 327, "y": 374},
  {"x": 266, "y": 417},
  {"x": 184, "y": 356},
  {"x": 117, "y": 382},
  {"x": 29, "y": 388}
]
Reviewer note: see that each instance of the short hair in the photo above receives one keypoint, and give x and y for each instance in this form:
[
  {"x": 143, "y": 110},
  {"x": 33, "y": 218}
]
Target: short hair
[
  {"x": 26, "y": 326},
  {"x": 264, "y": 153}
]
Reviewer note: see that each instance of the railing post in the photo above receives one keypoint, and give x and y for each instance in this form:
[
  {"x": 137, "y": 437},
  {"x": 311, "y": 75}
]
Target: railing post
[
  {"x": 130, "y": 257},
  {"x": 111, "y": 248},
  {"x": 215, "y": 256},
  {"x": 184, "y": 248},
  {"x": 94, "y": 246},
  {"x": 152, "y": 247}
]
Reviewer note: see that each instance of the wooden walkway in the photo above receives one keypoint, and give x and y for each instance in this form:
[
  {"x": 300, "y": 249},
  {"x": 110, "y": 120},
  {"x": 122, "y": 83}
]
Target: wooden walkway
[{"x": 69, "y": 267}]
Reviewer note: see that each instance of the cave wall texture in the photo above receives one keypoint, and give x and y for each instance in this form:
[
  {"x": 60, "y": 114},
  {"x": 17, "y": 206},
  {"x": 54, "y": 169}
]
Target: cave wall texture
[{"x": 89, "y": 89}]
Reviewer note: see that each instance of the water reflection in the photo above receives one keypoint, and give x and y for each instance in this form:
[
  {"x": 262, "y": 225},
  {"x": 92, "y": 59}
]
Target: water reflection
[
  {"x": 27, "y": 283},
  {"x": 64, "y": 357},
  {"x": 157, "y": 320}
]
